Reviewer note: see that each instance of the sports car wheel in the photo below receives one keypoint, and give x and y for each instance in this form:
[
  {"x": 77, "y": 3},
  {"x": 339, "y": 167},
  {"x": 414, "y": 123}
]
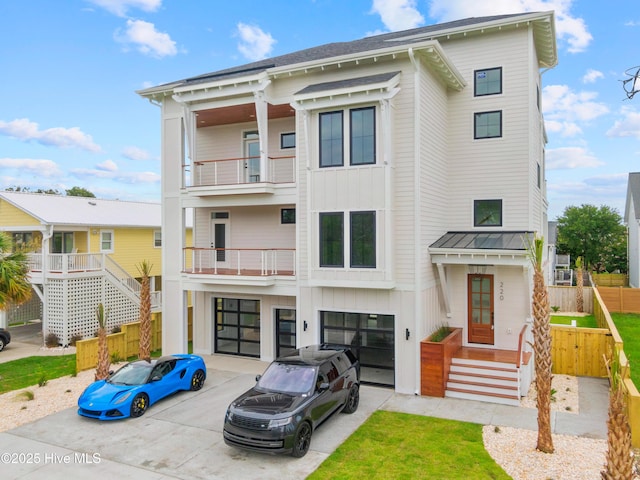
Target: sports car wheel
[
  {"x": 353, "y": 400},
  {"x": 197, "y": 380},
  {"x": 139, "y": 405},
  {"x": 302, "y": 441}
]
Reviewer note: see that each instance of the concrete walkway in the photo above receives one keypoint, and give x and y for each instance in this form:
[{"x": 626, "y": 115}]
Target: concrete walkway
[{"x": 181, "y": 437}]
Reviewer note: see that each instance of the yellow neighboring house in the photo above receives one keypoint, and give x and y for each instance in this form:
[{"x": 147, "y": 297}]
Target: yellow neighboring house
[{"x": 85, "y": 251}]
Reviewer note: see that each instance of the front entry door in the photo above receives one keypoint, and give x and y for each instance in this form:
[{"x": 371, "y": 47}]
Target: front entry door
[
  {"x": 480, "y": 306},
  {"x": 252, "y": 157}
]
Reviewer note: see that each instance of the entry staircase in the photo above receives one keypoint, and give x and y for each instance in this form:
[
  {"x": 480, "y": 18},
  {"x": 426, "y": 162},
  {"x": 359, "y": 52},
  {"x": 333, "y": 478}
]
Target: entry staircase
[
  {"x": 483, "y": 380},
  {"x": 71, "y": 286}
]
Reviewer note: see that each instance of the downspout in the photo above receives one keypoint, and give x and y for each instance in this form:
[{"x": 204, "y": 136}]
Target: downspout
[{"x": 416, "y": 213}]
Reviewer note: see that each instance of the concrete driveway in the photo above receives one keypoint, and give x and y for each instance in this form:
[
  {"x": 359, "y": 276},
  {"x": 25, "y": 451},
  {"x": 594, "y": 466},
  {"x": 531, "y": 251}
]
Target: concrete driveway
[{"x": 179, "y": 437}]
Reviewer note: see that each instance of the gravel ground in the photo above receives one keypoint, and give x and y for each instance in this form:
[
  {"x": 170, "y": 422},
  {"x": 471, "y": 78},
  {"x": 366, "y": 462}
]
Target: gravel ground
[{"x": 513, "y": 449}]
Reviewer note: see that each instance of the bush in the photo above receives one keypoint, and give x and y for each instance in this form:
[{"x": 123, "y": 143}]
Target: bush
[
  {"x": 75, "y": 339},
  {"x": 52, "y": 340},
  {"x": 116, "y": 329}
]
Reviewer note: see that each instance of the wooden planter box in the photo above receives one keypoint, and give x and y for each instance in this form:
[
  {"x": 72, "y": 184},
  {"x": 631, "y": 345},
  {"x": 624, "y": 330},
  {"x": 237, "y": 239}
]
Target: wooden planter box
[{"x": 435, "y": 361}]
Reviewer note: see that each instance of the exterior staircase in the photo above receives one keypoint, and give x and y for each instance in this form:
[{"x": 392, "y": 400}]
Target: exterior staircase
[{"x": 483, "y": 380}]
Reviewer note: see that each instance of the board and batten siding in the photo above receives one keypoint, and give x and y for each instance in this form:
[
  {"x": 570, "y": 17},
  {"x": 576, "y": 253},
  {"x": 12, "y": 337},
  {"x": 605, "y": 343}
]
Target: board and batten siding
[{"x": 507, "y": 157}]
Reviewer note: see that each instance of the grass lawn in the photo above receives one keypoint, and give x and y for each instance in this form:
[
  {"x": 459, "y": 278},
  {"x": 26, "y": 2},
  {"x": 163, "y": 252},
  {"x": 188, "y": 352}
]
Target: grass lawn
[
  {"x": 628, "y": 325},
  {"x": 29, "y": 371},
  {"x": 585, "y": 322},
  {"x": 399, "y": 445}
]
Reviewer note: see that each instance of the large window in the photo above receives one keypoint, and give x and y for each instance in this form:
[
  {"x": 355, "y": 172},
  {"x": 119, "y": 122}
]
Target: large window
[
  {"x": 488, "y": 124},
  {"x": 363, "y": 239},
  {"x": 331, "y": 139},
  {"x": 363, "y": 136},
  {"x": 487, "y": 213},
  {"x": 488, "y": 81},
  {"x": 332, "y": 239},
  {"x": 237, "y": 326}
]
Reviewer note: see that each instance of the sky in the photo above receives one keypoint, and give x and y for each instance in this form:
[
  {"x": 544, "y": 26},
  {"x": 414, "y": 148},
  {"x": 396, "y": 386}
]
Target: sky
[{"x": 69, "y": 70}]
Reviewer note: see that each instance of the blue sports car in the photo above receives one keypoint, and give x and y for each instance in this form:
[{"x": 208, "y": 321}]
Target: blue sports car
[{"x": 138, "y": 385}]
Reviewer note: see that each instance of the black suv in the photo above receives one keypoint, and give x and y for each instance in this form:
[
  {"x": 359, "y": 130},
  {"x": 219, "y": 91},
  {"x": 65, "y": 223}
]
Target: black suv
[
  {"x": 5, "y": 338},
  {"x": 296, "y": 393}
]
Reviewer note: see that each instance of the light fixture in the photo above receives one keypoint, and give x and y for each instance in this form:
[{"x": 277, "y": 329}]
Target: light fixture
[
  {"x": 304, "y": 325},
  {"x": 407, "y": 334}
]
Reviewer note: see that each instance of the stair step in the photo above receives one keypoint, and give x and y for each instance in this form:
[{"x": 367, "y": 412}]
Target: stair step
[
  {"x": 502, "y": 366},
  {"x": 503, "y": 399},
  {"x": 485, "y": 371},
  {"x": 482, "y": 388},
  {"x": 482, "y": 379}
]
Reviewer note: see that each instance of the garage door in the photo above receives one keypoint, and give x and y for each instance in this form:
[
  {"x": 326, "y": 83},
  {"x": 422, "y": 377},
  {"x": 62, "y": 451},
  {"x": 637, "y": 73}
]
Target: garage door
[{"x": 371, "y": 338}]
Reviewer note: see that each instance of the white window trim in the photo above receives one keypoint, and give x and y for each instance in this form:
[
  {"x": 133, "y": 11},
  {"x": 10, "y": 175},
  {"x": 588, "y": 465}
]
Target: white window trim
[
  {"x": 112, "y": 249},
  {"x": 154, "y": 238}
]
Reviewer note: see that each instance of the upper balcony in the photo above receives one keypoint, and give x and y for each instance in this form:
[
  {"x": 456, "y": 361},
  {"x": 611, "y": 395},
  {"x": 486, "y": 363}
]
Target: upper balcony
[
  {"x": 242, "y": 175},
  {"x": 240, "y": 266}
]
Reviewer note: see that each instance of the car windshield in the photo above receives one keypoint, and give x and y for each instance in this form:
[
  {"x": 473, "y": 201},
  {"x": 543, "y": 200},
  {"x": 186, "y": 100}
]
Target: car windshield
[
  {"x": 131, "y": 374},
  {"x": 286, "y": 378}
]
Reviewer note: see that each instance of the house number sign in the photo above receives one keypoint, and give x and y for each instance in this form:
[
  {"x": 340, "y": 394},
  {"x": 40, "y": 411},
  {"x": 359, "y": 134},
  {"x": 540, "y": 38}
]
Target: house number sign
[{"x": 501, "y": 291}]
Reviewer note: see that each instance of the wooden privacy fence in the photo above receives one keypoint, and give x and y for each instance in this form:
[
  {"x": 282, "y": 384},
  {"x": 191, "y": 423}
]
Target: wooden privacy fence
[
  {"x": 618, "y": 299},
  {"x": 610, "y": 279},
  {"x": 579, "y": 351},
  {"x": 122, "y": 345},
  {"x": 565, "y": 298}
]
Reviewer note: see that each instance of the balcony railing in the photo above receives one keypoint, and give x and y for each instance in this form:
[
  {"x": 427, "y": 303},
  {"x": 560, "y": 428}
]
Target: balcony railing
[
  {"x": 66, "y": 262},
  {"x": 240, "y": 261},
  {"x": 243, "y": 170}
]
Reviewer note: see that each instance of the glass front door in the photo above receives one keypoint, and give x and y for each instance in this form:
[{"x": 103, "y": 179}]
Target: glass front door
[
  {"x": 285, "y": 331},
  {"x": 480, "y": 306},
  {"x": 252, "y": 157}
]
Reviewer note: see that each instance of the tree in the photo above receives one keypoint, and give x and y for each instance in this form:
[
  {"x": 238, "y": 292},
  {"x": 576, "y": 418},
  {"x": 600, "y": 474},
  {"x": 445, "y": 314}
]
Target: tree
[
  {"x": 102, "y": 368},
  {"x": 79, "y": 192},
  {"x": 145, "y": 311},
  {"x": 619, "y": 448},
  {"x": 541, "y": 346},
  {"x": 596, "y": 234},
  {"x": 14, "y": 269}
]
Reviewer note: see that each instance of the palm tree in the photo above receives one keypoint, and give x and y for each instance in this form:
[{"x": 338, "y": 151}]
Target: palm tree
[
  {"x": 145, "y": 311},
  {"x": 15, "y": 287},
  {"x": 579, "y": 285},
  {"x": 541, "y": 346},
  {"x": 619, "y": 448},
  {"x": 102, "y": 369}
]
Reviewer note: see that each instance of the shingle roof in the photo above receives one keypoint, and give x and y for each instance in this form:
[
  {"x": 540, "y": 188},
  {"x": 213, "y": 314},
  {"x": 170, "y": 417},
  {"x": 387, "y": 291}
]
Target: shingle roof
[
  {"x": 633, "y": 195},
  {"x": 66, "y": 210},
  {"x": 372, "y": 43}
]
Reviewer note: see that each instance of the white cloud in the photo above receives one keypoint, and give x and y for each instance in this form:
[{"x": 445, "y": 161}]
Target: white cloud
[
  {"x": 147, "y": 39},
  {"x": 26, "y": 130},
  {"x": 398, "y": 14},
  {"x": 135, "y": 153},
  {"x": 40, "y": 167},
  {"x": 568, "y": 28},
  {"x": 107, "y": 166},
  {"x": 254, "y": 43},
  {"x": 571, "y": 157},
  {"x": 564, "y": 110},
  {"x": 592, "y": 75},
  {"x": 108, "y": 170},
  {"x": 628, "y": 126},
  {"x": 120, "y": 7}
]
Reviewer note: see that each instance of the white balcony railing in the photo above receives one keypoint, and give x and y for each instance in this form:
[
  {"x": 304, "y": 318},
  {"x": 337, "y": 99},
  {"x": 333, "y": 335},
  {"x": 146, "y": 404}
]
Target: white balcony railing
[
  {"x": 240, "y": 261},
  {"x": 237, "y": 171}
]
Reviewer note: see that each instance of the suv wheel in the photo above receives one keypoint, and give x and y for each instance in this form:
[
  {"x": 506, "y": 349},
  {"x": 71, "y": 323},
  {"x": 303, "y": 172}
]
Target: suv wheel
[
  {"x": 353, "y": 400},
  {"x": 302, "y": 440},
  {"x": 2, "y": 344}
]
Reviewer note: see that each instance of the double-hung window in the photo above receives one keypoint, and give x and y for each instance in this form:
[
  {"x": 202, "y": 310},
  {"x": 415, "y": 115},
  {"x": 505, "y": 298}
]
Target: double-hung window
[
  {"x": 331, "y": 139},
  {"x": 360, "y": 131},
  {"x": 363, "y": 239},
  {"x": 363, "y": 136},
  {"x": 332, "y": 239}
]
